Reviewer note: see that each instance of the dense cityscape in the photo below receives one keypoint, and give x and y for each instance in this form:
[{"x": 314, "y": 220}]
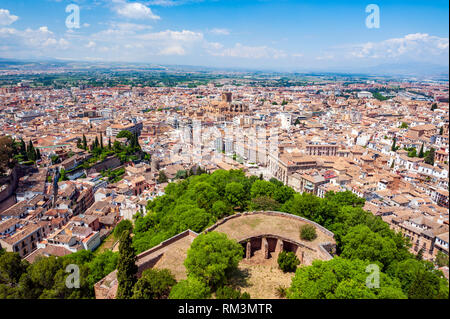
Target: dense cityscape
[
  {"x": 122, "y": 180},
  {"x": 82, "y": 160}
]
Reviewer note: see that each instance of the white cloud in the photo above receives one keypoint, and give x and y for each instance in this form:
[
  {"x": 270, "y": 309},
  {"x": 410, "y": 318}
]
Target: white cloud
[
  {"x": 171, "y": 3},
  {"x": 91, "y": 44},
  {"x": 416, "y": 46},
  {"x": 220, "y": 31},
  {"x": 121, "y": 29},
  {"x": 213, "y": 45},
  {"x": 249, "y": 52},
  {"x": 7, "y": 18},
  {"x": 131, "y": 26},
  {"x": 134, "y": 10},
  {"x": 325, "y": 57},
  {"x": 30, "y": 42},
  {"x": 173, "y": 50},
  {"x": 141, "y": 43},
  {"x": 169, "y": 35}
]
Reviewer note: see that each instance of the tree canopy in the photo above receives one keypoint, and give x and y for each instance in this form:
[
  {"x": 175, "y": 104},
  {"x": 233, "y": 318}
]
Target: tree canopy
[
  {"x": 212, "y": 257},
  {"x": 341, "y": 278},
  {"x": 126, "y": 268},
  {"x": 154, "y": 284}
]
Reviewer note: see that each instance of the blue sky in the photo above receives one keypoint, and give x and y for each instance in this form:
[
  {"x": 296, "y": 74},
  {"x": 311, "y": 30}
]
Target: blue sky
[{"x": 236, "y": 33}]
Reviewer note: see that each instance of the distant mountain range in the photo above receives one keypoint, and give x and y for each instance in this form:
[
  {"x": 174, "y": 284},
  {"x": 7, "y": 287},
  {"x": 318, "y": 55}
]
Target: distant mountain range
[{"x": 410, "y": 69}]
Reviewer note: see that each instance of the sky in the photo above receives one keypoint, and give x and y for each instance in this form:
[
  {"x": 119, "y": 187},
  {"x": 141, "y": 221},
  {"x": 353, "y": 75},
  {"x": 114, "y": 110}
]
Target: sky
[{"x": 264, "y": 34}]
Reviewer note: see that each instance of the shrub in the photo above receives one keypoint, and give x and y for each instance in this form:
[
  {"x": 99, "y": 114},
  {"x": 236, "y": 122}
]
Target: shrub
[
  {"x": 287, "y": 261},
  {"x": 212, "y": 257},
  {"x": 441, "y": 259},
  {"x": 308, "y": 232},
  {"x": 190, "y": 288},
  {"x": 227, "y": 292},
  {"x": 281, "y": 291},
  {"x": 154, "y": 284}
]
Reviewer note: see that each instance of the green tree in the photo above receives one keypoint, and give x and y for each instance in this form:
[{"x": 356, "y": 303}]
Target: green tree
[
  {"x": 362, "y": 243},
  {"x": 6, "y": 153},
  {"x": 22, "y": 149},
  {"x": 346, "y": 198},
  {"x": 228, "y": 292},
  {"x": 394, "y": 147},
  {"x": 308, "y": 232},
  {"x": 190, "y": 288},
  {"x": 340, "y": 278},
  {"x": 262, "y": 188},
  {"x": 154, "y": 284},
  {"x": 40, "y": 276},
  {"x": 101, "y": 265},
  {"x": 308, "y": 206},
  {"x": 429, "y": 159},
  {"x": 181, "y": 174},
  {"x": 220, "y": 209},
  {"x": 124, "y": 225},
  {"x": 126, "y": 268},
  {"x": 31, "y": 152},
  {"x": 264, "y": 203},
  {"x": 84, "y": 142},
  {"x": 212, "y": 257},
  {"x": 427, "y": 286},
  {"x": 186, "y": 217},
  {"x": 205, "y": 195},
  {"x": 419, "y": 279},
  {"x": 162, "y": 177},
  {"x": 11, "y": 268},
  {"x": 412, "y": 152},
  {"x": 127, "y": 134},
  {"x": 38, "y": 154},
  {"x": 441, "y": 259},
  {"x": 419, "y": 255},
  {"x": 283, "y": 193},
  {"x": 235, "y": 194},
  {"x": 421, "y": 154},
  {"x": 288, "y": 261},
  {"x": 63, "y": 175}
]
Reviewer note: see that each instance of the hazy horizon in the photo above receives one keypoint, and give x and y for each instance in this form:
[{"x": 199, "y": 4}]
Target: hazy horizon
[{"x": 266, "y": 35}]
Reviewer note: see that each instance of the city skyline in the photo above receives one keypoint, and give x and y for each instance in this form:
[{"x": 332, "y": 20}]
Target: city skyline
[{"x": 296, "y": 35}]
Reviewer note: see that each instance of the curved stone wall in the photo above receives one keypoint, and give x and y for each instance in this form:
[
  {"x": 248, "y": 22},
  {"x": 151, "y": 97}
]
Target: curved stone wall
[{"x": 271, "y": 232}]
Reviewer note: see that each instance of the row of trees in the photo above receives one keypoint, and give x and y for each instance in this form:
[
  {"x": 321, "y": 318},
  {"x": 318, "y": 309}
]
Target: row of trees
[
  {"x": 12, "y": 152},
  {"x": 124, "y": 152},
  {"x": 412, "y": 152},
  {"x": 200, "y": 200}
]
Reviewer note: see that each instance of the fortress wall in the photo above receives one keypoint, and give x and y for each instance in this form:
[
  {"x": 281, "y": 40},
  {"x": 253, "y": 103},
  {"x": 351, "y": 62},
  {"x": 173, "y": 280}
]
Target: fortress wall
[
  {"x": 270, "y": 213},
  {"x": 166, "y": 243}
]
